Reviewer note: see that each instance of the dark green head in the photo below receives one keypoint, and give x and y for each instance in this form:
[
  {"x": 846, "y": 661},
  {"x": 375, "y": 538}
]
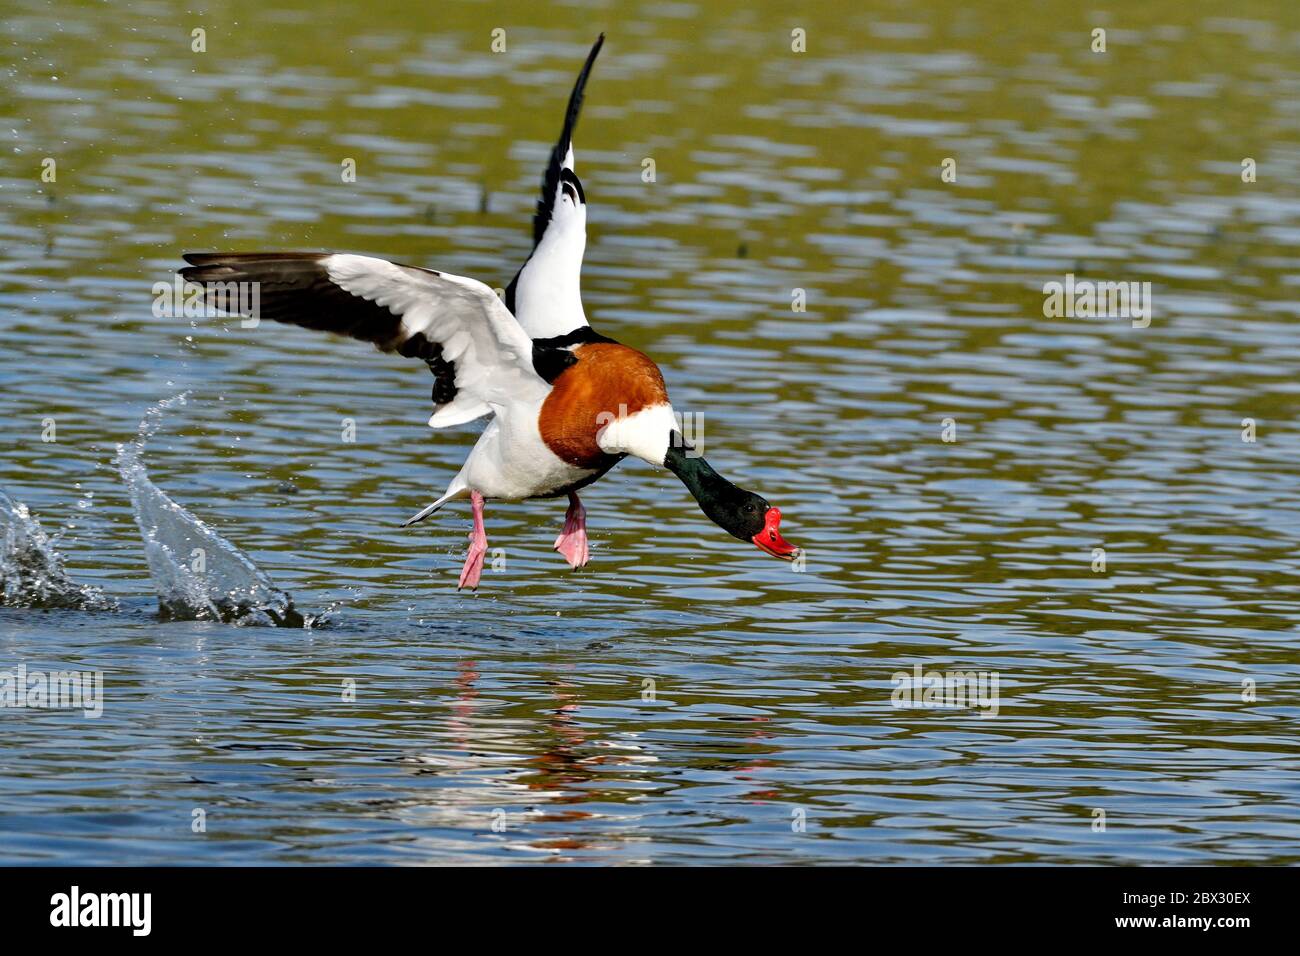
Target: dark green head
[{"x": 740, "y": 513}]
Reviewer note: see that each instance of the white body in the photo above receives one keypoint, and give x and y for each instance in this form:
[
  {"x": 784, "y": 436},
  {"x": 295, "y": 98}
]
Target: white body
[{"x": 510, "y": 461}]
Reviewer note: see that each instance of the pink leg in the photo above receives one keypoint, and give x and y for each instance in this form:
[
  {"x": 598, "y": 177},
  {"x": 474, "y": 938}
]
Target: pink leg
[
  {"x": 473, "y": 569},
  {"x": 572, "y": 542}
]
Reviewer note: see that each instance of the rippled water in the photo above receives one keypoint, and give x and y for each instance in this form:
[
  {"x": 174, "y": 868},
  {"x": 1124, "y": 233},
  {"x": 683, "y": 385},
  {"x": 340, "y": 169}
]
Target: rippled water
[{"x": 683, "y": 698}]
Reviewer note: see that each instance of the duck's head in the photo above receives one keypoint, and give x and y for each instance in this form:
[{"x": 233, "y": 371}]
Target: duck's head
[
  {"x": 740, "y": 513},
  {"x": 749, "y": 517}
]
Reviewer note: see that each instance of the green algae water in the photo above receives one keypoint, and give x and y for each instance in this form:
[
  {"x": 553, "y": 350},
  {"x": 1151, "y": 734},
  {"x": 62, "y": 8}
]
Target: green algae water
[{"x": 1104, "y": 515}]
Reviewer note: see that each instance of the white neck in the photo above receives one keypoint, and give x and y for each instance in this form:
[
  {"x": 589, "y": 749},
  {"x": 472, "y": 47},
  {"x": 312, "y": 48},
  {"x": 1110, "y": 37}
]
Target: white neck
[
  {"x": 645, "y": 434},
  {"x": 548, "y": 296}
]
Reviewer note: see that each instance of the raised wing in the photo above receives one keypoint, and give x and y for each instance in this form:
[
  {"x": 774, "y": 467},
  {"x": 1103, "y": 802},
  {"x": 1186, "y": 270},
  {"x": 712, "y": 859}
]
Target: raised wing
[
  {"x": 545, "y": 296},
  {"x": 478, "y": 353}
]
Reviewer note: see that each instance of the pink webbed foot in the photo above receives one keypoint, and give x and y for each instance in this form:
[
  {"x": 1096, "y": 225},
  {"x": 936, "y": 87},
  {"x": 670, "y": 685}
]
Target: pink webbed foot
[
  {"x": 473, "y": 570},
  {"x": 572, "y": 542}
]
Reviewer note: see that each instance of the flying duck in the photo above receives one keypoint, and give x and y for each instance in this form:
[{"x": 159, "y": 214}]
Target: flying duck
[{"x": 564, "y": 403}]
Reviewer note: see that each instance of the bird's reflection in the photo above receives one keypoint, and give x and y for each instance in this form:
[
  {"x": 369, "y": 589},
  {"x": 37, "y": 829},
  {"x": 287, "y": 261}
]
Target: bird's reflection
[{"x": 509, "y": 776}]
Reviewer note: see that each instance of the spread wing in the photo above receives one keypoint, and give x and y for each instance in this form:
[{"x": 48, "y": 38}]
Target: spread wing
[
  {"x": 545, "y": 295},
  {"x": 479, "y": 354}
]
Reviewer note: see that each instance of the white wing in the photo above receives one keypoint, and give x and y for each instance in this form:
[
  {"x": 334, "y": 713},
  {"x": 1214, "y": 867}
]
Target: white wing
[{"x": 479, "y": 354}]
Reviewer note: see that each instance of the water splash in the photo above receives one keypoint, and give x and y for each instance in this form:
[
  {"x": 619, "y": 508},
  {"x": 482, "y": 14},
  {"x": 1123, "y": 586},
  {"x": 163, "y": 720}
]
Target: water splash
[
  {"x": 198, "y": 574},
  {"x": 31, "y": 568}
]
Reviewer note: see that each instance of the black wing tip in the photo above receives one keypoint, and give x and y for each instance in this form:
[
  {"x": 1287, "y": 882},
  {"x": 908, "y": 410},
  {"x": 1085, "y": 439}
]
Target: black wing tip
[
  {"x": 213, "y": 265},
  {"x": 213, "y": 258},
  {"x": 551, "y": 176},
  {"x": 204, "y": 266},
  {"x": 579, "y": 88}
]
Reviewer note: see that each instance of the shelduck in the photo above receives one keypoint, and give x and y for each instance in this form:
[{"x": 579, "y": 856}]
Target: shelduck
[{"x": 564, "y": 403}]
